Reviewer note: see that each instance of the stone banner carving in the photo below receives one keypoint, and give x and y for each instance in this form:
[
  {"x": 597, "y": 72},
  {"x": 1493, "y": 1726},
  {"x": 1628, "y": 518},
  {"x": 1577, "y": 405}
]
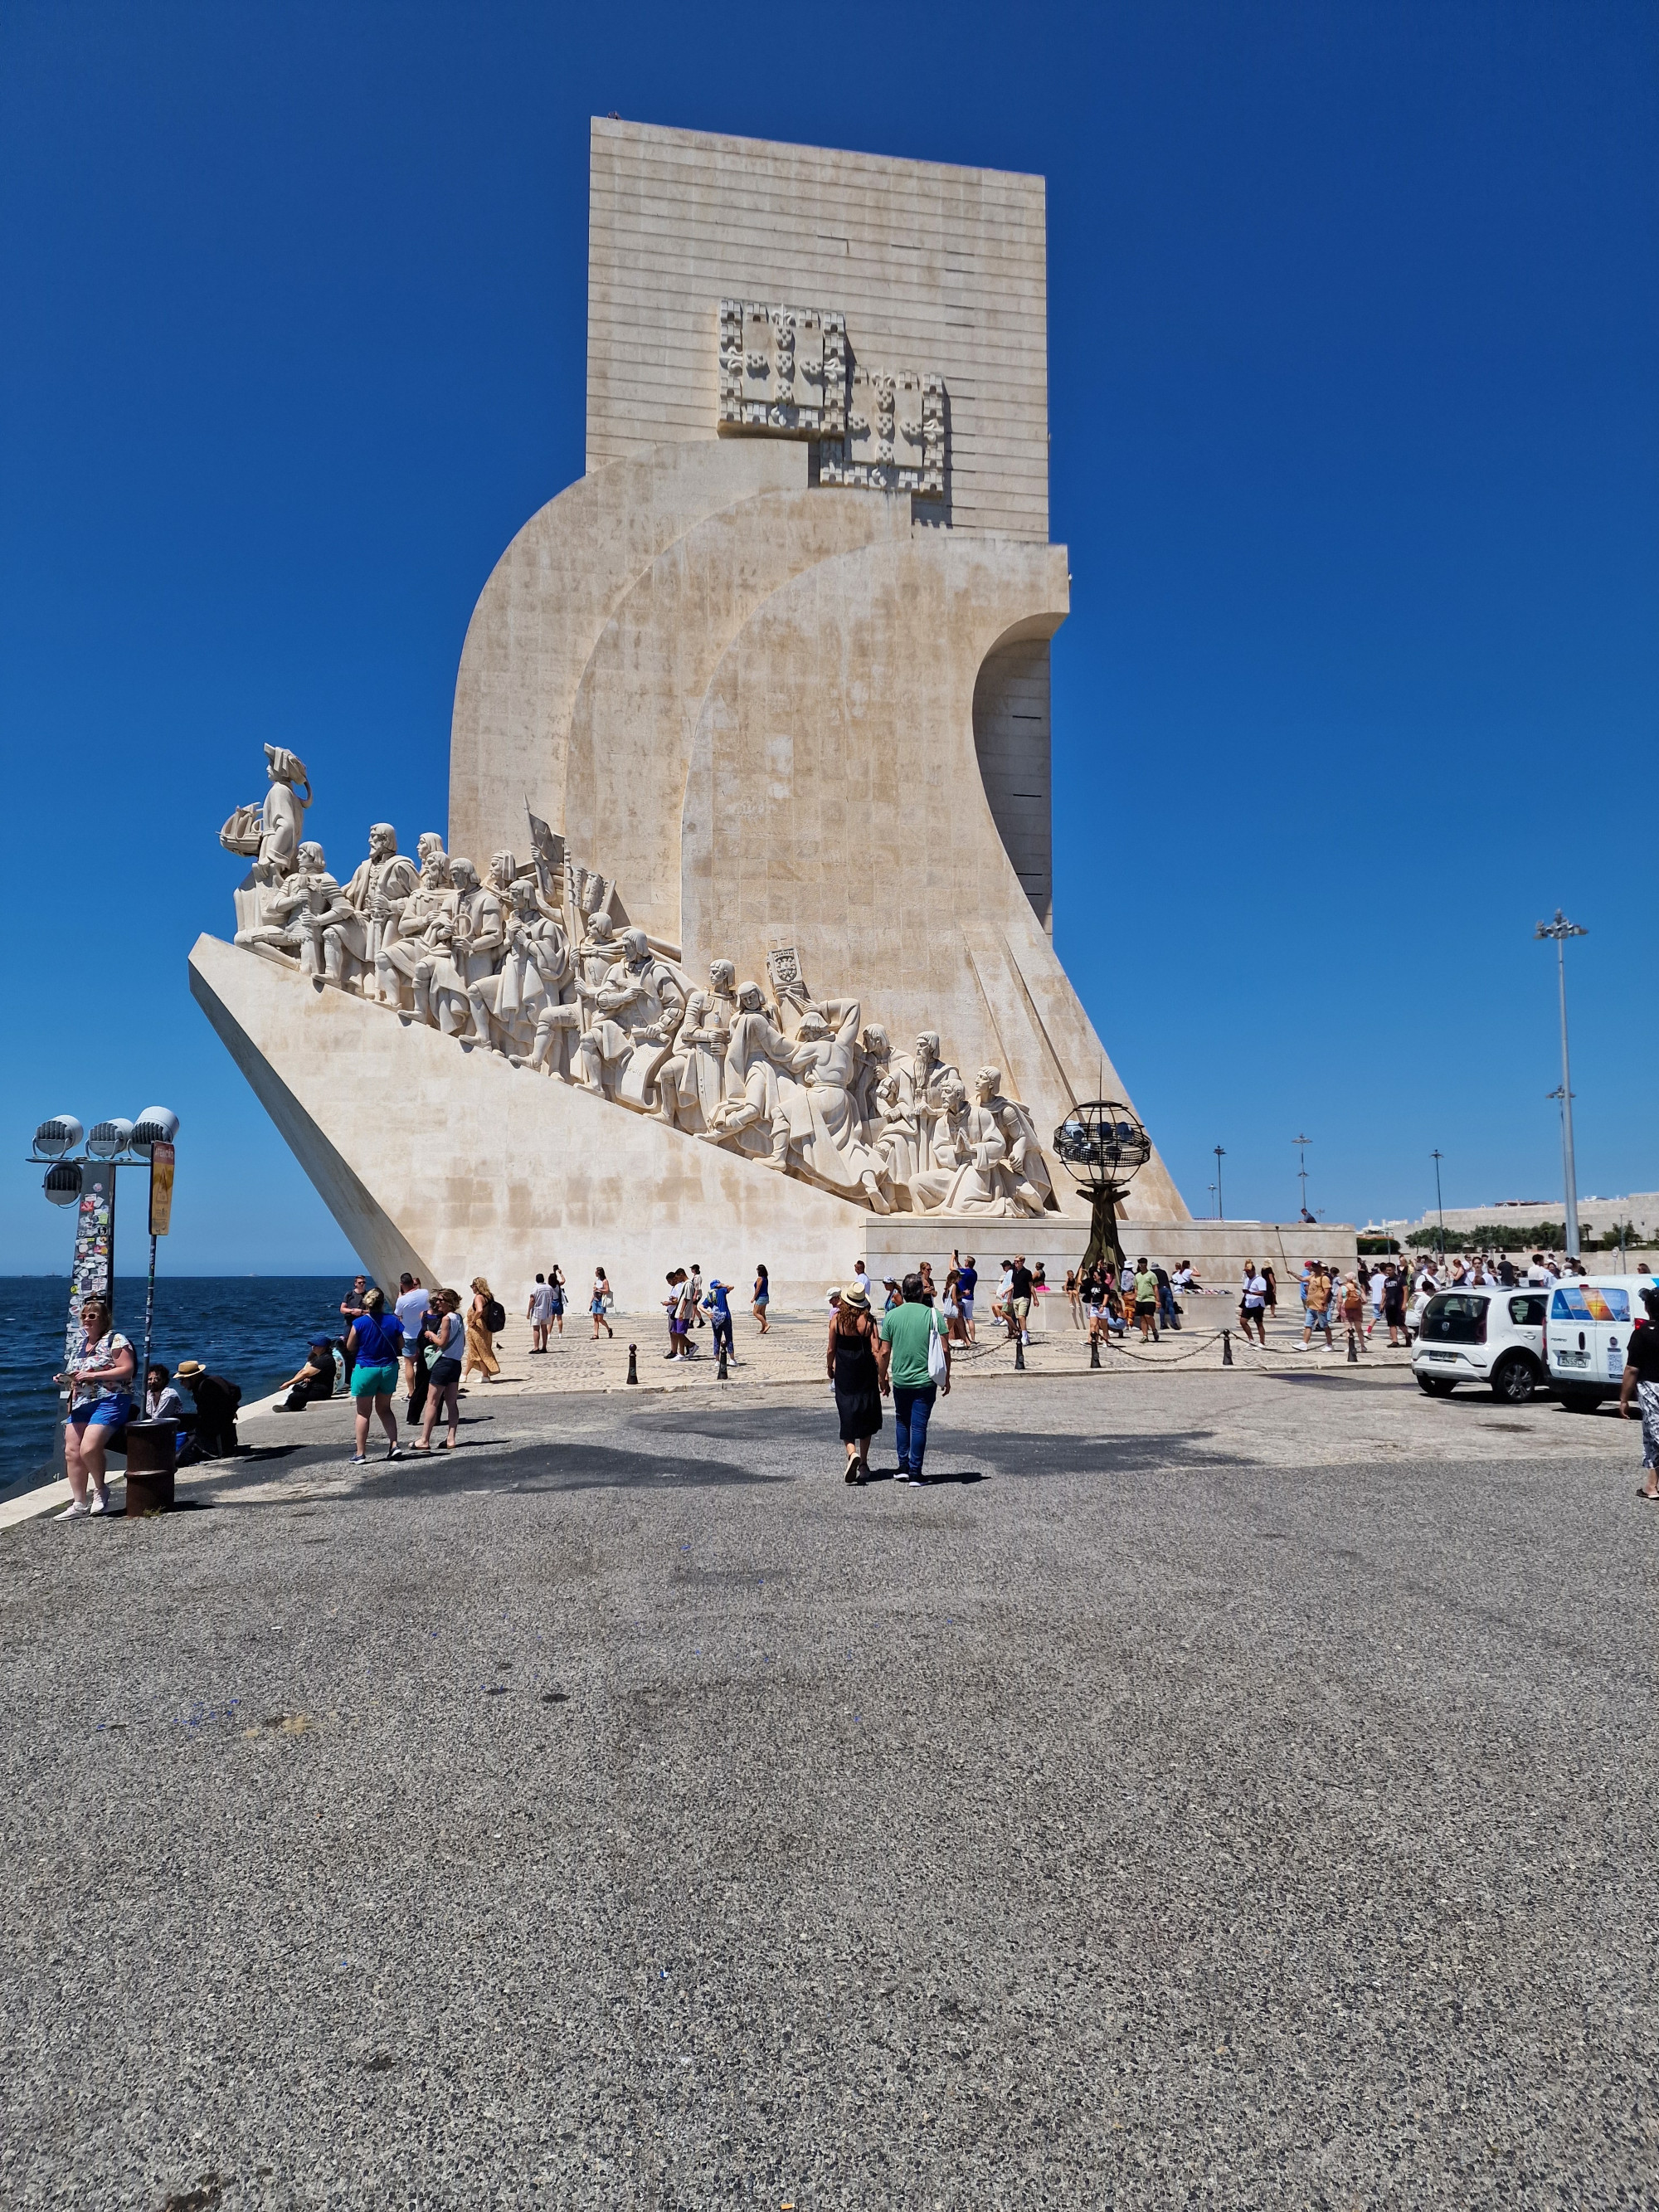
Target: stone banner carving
[
  {"x": 788, "y": 372},
  {"x": 528, "y": 963},
  {"x": 782, "y": 370}
]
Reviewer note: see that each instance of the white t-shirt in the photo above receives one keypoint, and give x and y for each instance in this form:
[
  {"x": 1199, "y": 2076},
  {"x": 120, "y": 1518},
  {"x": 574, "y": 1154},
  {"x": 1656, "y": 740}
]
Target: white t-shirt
[
  {"x": 1255, "y": 1291},
  {"x": 408, "y": 1310},
  {"x": 541, "y": 1302}
]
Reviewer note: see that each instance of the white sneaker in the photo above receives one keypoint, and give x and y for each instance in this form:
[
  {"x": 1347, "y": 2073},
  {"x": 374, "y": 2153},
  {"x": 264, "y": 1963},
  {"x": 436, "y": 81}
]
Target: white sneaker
[
  {"x": 76, "y": 1510},
  {"x": 100, "y": 1502}
]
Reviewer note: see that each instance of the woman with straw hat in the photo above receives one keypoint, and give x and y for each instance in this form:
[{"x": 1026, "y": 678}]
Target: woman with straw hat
[{"x": 850, "y": 1359}]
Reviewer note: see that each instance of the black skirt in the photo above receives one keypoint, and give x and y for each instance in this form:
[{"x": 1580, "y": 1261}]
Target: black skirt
[{"x": 858, "y": 1389}]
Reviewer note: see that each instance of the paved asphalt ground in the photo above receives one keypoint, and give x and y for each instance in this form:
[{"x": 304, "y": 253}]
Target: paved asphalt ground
[{"x": 631, "y": 1813}]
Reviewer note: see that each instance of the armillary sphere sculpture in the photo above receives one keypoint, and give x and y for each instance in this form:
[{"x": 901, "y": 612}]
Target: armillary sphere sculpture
[{"x": 1102, "y": 1146}]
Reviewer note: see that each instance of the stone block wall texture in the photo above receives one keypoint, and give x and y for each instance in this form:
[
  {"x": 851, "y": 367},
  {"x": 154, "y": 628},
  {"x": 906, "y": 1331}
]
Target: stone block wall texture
[{"x": 935, "y": 267}]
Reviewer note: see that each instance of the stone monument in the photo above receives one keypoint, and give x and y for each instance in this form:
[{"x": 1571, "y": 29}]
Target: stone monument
[{"x": 764, "y": 699}]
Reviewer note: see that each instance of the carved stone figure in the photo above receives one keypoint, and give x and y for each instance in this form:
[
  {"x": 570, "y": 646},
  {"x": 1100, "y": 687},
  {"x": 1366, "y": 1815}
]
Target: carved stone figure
[
  {"x": 1024, "y": 1164},
  {"x": 1025, "y": 1155},
  {"x": 535, "y": 968},
  {"x": 376, "y": 894},
  {"x": 283, "y": 815},
  {"x": 411, "y": 940},
  {"x": 327, "y": 926},
  {"x": 949, "y": 1148},
  {"x": 691, "y": 1081},
  {"x": 280, "y": 903},
  {"x": 825, "y": 1140},
  {"x": 466, "y": 946},
  {"x": 751, "y": 1119},
  {"x": 637, "y": 1010},
  {"x": 871, "y": 1062}
]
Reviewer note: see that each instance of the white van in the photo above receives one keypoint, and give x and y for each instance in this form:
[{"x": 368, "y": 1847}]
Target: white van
[{"x": 1589, "y": 1326}]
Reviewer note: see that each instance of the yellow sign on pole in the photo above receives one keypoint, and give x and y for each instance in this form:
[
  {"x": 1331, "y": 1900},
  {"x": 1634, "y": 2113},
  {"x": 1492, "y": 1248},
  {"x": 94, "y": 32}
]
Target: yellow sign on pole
[{"x": 161, "y": 1189}]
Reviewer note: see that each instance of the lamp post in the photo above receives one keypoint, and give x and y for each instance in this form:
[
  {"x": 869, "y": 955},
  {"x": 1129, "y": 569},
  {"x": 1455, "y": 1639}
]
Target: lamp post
[
  {"x": 1302, "y": 1145},
  {"x": 110, "y": 1145},
  {"x": 1439, "y": 1208},
  {"x": 1102, "y": 1145},
  {"x": 1560, "y": 930},
  {"x": 1220, "y": 1210}
]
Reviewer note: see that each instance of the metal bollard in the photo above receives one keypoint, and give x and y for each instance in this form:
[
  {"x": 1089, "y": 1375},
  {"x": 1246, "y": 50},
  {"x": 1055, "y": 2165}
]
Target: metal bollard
[
  {"x": 633, "y": 1363},
  {"x": 1226, "y": 1347},
  {"x": 722, "y": 1370},
  {"x": 1353, "y": 1350},
  {"x": 152, "y": 1453},
  {"x": 1019, "y": 1354},
  {"x": 1094, "y": 1352}
]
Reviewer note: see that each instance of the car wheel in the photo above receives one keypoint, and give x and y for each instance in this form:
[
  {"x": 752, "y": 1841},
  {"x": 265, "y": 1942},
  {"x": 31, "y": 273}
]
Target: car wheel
[
  {"x": 1438, "y": 1386},
  {"x": 1514, "y": 1380}
]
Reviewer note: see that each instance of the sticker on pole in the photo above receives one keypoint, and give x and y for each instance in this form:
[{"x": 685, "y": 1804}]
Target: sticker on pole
[{"x": 161, "y": 1189}]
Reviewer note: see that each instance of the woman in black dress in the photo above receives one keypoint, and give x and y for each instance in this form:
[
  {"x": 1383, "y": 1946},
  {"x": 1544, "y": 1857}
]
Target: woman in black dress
[{"x": 850, "y": 1358}]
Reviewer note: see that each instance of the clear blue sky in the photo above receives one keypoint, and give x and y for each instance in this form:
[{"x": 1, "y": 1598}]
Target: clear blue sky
[{"x": 1354, "y": 444}]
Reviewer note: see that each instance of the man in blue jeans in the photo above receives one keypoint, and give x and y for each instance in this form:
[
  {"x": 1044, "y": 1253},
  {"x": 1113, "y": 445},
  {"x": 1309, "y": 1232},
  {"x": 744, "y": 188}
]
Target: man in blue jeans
[{"x": 902, "y": 1355}]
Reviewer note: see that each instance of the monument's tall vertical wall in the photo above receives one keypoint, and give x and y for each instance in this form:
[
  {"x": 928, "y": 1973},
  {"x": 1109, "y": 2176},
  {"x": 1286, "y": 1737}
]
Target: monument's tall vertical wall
[{"x": 931, "y": 265}]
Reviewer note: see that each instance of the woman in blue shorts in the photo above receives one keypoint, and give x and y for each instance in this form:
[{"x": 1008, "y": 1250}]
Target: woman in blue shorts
[
  {"x": 374, "y": 1345},
  {"x": 100, "y": 1375},
  {"x": 762, "y": 1298}
]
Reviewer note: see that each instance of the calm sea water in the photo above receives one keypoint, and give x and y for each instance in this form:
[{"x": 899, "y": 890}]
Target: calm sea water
[{"x": 252, "y": 1329}]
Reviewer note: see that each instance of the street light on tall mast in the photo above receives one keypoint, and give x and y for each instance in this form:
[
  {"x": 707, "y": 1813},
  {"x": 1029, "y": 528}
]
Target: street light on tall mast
[{"x": 1560, "y": 930}]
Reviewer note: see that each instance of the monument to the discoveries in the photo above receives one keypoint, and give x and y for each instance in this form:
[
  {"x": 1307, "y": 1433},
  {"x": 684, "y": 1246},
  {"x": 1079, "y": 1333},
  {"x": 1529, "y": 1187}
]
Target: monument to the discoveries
[{"x": 739, "y": 946}]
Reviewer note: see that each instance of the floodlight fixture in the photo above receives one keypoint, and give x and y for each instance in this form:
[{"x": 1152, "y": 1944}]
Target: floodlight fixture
[
  {"x": 157, "y": 1125},
  {"x": 62, "y": 1183},
  {"x": 61, "y": 1134}
]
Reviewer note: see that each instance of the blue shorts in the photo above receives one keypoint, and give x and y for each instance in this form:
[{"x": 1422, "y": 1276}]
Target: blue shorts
[{"x": 106, "y": 1414}]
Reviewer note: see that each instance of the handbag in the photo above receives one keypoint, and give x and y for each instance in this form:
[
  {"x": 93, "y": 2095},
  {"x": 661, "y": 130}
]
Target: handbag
[{"x": 937, "y": 1365}]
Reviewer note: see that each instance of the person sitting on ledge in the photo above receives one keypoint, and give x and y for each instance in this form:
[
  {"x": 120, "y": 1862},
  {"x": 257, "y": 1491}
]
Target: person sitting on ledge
[
  {"x": 314, "y": 1381},
  {"x": 161, "y": 1402},
  {"x": 215, "y": 1400}
]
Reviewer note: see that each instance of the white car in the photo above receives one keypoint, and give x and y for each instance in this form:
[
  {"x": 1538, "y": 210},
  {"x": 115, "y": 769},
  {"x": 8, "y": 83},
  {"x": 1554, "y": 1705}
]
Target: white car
[
  {"x": 1590, "y": 1325},
  {"x": 1481, "y": 1333}
]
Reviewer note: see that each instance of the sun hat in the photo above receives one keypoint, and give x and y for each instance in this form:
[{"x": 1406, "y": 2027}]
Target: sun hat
[
  {"x": 186, "y": 1369},
  {"x": 853, "y": 1295}
]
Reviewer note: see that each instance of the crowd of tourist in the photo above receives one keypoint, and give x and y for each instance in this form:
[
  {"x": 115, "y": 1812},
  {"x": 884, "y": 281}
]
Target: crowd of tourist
[{"x": 892, "y": 1340}]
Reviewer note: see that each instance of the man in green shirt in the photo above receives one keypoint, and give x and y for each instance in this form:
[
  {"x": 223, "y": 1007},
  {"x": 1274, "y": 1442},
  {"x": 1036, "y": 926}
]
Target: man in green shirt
[
  {"x": 906, "y": 1336},
  {"x": 1146, "y": 1301}
]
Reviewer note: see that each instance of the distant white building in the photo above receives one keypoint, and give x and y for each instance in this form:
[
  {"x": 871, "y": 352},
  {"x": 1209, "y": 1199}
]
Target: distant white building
[{"x": 1595, "y": 1215}]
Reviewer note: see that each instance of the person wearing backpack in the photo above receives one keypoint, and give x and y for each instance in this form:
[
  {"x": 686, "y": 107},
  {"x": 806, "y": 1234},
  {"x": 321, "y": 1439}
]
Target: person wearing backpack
[{"x": 485, "y": 1316}]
